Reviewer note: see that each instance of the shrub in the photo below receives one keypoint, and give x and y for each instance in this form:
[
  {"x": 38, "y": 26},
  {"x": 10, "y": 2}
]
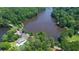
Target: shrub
[
  {"x": 10, "y": 36},
  {"x": 70, "y": 43},
  {"x": 4, "y": 45},
  {"x": 5, "y": 37}
]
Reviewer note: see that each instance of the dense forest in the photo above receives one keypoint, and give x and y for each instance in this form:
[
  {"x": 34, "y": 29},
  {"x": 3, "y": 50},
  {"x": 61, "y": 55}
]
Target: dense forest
[
  {"x": 14, "y": 16},
  {"x": 66, "y": 18}
]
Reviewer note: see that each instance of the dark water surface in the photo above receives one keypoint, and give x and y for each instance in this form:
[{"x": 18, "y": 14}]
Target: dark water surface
[
  {"x": 43, "y": 22},
  {"x": 2, "y": 32}
]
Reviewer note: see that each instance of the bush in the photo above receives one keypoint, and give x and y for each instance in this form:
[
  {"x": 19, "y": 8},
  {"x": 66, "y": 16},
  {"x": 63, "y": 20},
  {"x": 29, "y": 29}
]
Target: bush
[
  {"x": 4, "y": 45},
  {"x": 10, "y": 36},
  {"x": 70, "y": 43},
  {"x": 13, "y": 48},
  {"x": 5, "y": 38}
]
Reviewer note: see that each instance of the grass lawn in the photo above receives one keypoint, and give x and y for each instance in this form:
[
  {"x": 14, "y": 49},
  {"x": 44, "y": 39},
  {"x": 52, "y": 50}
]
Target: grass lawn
[
  {"x": 13, "y": 47},
  {"x": 73, "y": 38},
  {"x": 13, "y": 44}
]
